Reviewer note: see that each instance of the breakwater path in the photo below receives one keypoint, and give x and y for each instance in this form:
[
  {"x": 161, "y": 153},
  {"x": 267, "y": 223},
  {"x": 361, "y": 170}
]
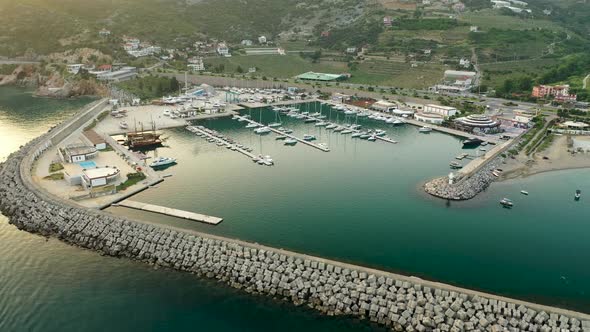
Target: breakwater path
[{"x": 334, "y": 288}]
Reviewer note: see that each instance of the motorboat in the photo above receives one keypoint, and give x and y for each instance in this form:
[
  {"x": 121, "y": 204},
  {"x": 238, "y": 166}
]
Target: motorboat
[
  {"x": 290, "y": 141},
  {"x": 365, "y": 135},
  {"x": 578, "y": 194},
  {"x": 380, "y": 132},
  {"x": 331, "y": 126},
  {"x": 287, "y": 131},
  {"x": 507, "y": 203},
  {"x": 455, "y": 165},
  {"x": 346, "y": 132},
  {"x": 484, "y": 143},
  {"x": 162, "y": 161},
  {"x": 262, "y": 130},
  {"x": 355, "y": 126},
  {"x": 308, "y": 137},
  {"x": 471, "y": 142},
  {"x": 309, "y": 120},
  {"x": 524, "y": 192},
  {"x": 275, "y": 124},
  {"x": 349, "y": 112},
  {"x": 372, "y": 138},
  {"x": 252, "y": 125},
  {"x": 321, "y": 124},
  {"x": 425, "y": 129},
  {"x": 339, "y": 128},
  {"x": 123, "y": 125},
  {"x": 280, "y": 137},
  {"x": 357, "y": 134}
]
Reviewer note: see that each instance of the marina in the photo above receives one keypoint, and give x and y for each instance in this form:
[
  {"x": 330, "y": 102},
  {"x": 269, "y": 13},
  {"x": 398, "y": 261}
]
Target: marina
[{"x": 170, "y": 212}]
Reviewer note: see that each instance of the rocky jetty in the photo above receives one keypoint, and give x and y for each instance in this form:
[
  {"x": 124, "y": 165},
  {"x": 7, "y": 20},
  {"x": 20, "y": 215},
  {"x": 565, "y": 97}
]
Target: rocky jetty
[
  {"x": 463, "y": 189},
  {"x": 398, "y": 302}
]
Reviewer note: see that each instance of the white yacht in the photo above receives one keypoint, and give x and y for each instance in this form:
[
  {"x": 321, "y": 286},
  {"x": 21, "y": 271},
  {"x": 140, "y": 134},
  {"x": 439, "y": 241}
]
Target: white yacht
[
  {"x": 308, "y": 137},
  {"x": 331, "y": 126},
  {"x": 262, "y": 130},
  {"x": 425, "y": 129},
  {"x": 251, "y": 125},
  {"x": 275, "y": 124},
  {"x": 372, "y": 138},
  {"x": 162, "y": 161},
  {"x": 357, "y": 134},
  {"x": 290, "y": 141},
  {"x": 321, "y": 124}
]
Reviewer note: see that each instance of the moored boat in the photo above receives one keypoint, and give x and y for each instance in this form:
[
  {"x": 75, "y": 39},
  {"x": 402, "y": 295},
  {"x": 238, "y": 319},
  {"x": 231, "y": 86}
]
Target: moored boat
[
  {"x": 524, "y": 192},
  {"x": 507, "y": 203},
  {"x": 471, "y": 142},
  {"x": 308, "y": 137},
  {"x": 162, "y": 161},
  {"x": 290, "y": 141},
  {"x": 455, "y": 165},
  {"x": 578, "y": 194},
  {"x": 425, "y": 129}
]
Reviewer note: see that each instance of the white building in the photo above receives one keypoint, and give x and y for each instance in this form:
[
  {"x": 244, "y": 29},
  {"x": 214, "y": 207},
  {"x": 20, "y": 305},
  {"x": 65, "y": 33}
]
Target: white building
[
  {"x": 222, "y": 49},
  {"x": 104, "y": 32},
  {"x": 465, "y": 63},
  {"x": 473, "y": 28},
  {"x": 74, "y": 69},
  {"x": 247, "y": 42},
  {"x": 262, "y": 40},
  {"x": 351, "y": 50},
  {"x": 432, "y": 118},
  {"x": 196, "y": 64},
  {"x": 75, "y": 153},
  {"x": 445, "y": 111},
  {"x": 99, "y": 176}
]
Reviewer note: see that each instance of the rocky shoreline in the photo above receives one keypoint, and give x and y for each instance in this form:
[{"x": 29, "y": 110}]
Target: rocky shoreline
[
  {"x": 464, "y": 189},
  {"x": 333, "y": 288}
]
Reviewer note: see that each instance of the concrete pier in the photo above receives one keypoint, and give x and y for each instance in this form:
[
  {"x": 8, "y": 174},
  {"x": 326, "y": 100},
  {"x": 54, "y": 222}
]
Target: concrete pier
[
  {"x": 226, "y": 143},
  {"x": 170, "y": 212}
]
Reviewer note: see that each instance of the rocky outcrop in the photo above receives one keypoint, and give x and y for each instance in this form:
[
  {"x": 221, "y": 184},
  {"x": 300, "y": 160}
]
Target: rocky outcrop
[
  {"x": 398, "y": 302},
  {"x": 463, "y": 189}
]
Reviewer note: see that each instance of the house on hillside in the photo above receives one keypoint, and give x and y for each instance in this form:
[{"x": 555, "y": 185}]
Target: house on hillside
[
  {"x": 104, "y": 32},
  {"x": 222, "y": 49},
  {"x": 465, "y": 63},
  {"x": 351, "y": 50},
  {"x": 388, "y": 21},
  {"x": 560, "y": 93},
  {"x": 262, "y": 40},
  {"x": 247, "y": 42}
]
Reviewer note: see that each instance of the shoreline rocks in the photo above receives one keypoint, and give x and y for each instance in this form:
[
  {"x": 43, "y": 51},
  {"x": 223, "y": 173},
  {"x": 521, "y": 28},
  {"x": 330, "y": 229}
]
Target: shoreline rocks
[
  {"x": 463, "y": 189},
  {"x": 333, "y": 288}
]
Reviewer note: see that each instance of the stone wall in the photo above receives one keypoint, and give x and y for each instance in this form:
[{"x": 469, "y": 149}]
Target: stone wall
[{"x": 334, "y": 288}]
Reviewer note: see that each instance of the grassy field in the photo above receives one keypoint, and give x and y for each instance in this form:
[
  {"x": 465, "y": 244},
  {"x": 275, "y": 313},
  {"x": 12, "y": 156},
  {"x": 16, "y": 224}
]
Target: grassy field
[
  {"x": 498, "y": 72},
  {"x": 490, "y": 18},
  {"x": 398, "y": 74},
  {"x": 285, "y": 66}
]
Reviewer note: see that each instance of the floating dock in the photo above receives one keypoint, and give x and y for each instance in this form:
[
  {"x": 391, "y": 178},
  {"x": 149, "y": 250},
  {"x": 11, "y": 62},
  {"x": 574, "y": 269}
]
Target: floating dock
[
  {"x": 195, "y": 129},
  {"x": 170, "y": 212}
]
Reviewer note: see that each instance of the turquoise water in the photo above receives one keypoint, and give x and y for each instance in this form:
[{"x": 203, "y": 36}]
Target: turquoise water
[
  {"x": 87, "y": 164},
  {"x": 358, "y": 203},
  {"x": 48, "y": 286},
  {"x": 362, "y": 203}
]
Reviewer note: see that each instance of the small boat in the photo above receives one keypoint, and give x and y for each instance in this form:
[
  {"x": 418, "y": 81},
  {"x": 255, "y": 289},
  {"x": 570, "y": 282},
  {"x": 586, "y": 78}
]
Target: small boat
[
  {"x": 310, "y": 120},
  {"x": 365, "y": 135},
  {"x": 380, "y": 132},
  {"x": 578, "y": 194},
  {"x": 290, "y": 141},
  {"x": 162, "y": 161},
  {"x": 280, "y": 137},
  {"x": 275, "y": 124},
  {"x": 483, "y": 149},
  {"x": 321, "y": 124},
  {"x": 357, "y": 134},
  {"x": 524, "y": 192},
  {"x": 167, "y": 113},
  {"x": 455, "y": 165},
  {"x": 507, "y": 203},
  {"x": 331, "y": 126},
  {"x": 123, "y": 125},
  {"x": 262, "y": 130},
  {"x": 346, "y": 132},
  {"x": 372, "y": 138},
  {"x": 309, "y": 137},
  {"x": 337, "y": 129},
  {"x": 471, "y": 142},
  {"x": 287, "y": 131},
  {"x": 495, "y": 173},
  {"x": 425, "y": 129},
  {"x": 251, "y": 125}
]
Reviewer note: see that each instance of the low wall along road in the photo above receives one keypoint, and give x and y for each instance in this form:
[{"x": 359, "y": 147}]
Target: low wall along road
[{"x": 334, "y": 288}]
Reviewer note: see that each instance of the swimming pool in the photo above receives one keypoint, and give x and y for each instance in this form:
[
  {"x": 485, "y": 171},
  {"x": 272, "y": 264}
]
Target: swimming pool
[{"x": 87, "y": 164}]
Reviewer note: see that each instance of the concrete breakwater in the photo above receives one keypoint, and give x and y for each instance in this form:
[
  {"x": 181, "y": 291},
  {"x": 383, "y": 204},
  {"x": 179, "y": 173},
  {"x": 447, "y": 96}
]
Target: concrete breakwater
[
  {"x": 399, "y": 302},
  {"x": 464, "y": 188}
]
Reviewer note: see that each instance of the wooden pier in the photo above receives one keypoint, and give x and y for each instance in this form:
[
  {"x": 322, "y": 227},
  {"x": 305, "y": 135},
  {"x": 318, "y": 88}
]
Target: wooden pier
[
  {"x": 321, "y": 148},
  {"x": 170, "y": 212}
]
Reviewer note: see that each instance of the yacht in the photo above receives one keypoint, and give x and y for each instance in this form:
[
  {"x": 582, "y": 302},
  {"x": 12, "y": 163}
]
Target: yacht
[
  {"x": 287, "y": 131},
  {"x": 455, "y": 165},
  {"x": 275, "y": 124},
  {"x": 349, "y": 112},
  {"x": 162, "y": 161},
  {"x": 425, "y": 129},
  {"x": 346, "y": 132},
  {"x": 372, "y": 138},
  {"x": 290, "y": 141},
  {"x": 339, "y": 128},
  {"x": 380, "y": 132},
  {"x": 309, "y": 120},
  {"x": 507, "y": 203},
  {"x": 280, "y": 137},
  {"x": 331, "y": 126},
  {"x": 524, "y": 192},
  {"x": 365, "y": 135},
  {"x": 251, "y": 125},
  {"x": 472, "y": 142},
  {"x": 357, "y": 134},
  {"x": 308, "y": 137},
  {"x": 321, "y": 124},
  {"x": 262, "y": 130}
]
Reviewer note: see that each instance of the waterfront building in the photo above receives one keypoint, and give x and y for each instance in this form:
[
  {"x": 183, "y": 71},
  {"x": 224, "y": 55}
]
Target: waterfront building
[
  {"x": 95, "y": 139},
  {"x": 75, "y": 153},
  {"x": 99, "y": 176},
  {"x": 445, "y": 111},
  {"x": 478, "y": 123},
  {"x": 383, "y": 106},
  {"x": 432, "y": 118}
]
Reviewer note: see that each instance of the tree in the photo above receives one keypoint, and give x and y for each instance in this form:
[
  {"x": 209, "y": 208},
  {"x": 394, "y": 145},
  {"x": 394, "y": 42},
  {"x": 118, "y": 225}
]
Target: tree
[{"x": 240, "y": 69}]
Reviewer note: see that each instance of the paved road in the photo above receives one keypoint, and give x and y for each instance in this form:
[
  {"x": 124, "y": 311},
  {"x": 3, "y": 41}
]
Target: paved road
[{"x": 18, "y": 62}]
